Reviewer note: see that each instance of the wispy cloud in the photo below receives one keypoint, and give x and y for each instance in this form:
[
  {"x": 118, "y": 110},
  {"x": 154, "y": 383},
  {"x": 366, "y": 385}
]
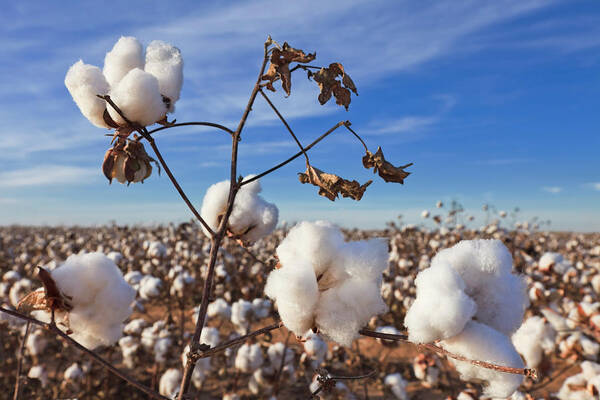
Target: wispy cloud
[
  {"x": 593, "y": 186},
  {"x": 552, "y": 189},
  {"x": 47, "y": 175}
]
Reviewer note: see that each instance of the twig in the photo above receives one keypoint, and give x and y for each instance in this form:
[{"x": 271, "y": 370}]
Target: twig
[
  {"x": 358, "y": 137},
  {"x": 532, "y": 373},
  {"x": 327, "y": 382},
  {"x": 17, "y": 391},
  {"x": 54, "y": 329},
  {"x": 217, "y": 349},
  {"x": 286, "y": 125},
  {"x": 196, "y": 123},
  {"x": 292, "y": 158}
]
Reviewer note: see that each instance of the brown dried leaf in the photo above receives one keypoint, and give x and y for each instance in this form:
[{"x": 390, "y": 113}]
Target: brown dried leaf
[
  {"x": 33, "y": 301},
  {"x": 332, "y": 185},
  {"x": 327, "y": 80},
  {"x": 386, "y": 170},
  {"x": 50, "y": 298},
  {"x": 280, "y": 66}
]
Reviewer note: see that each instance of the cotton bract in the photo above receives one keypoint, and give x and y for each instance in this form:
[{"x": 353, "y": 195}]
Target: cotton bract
[
  {"x": 470, "y": 299},
  {"x": 320, "y": 277},
  {"x": 144, "y": 88},
  {"x": 251, "y": 218},
  {"x": 101, "y": 298}
]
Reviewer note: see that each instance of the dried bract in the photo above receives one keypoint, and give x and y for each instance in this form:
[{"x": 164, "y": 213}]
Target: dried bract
[
  {"x": 47, "y": 299},
  {"x": 332, "y": 185},
  {"x": 326, "y": 78},
  {"x": 280, "y": 66},
  {"x": 386, "y": 170},
  {"x": 127, "y": 161}
]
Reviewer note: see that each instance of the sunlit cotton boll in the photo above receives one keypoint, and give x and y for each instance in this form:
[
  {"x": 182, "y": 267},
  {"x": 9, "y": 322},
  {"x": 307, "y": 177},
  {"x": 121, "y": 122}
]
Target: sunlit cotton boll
[
  {"x": 533, "y": 339},
  {"x": 38, "y": 372},
  {"x": 480, "y": 342},
  {"x": 138, "y": 97},
  {"x": 125, "y": 55},
  {"x": 319, "y": 278},
  {"x": 220, "y": 308},
  {"x": 169, "y": 383},
  {"x": 100, "y": 297},
  {"x": 164, "y": 61},
  {"x": 248, "y": 358},
  {"x": 84, "y": 83},
  {"x": 251, "y": 218},
  {"x": 397, "y": 385}
]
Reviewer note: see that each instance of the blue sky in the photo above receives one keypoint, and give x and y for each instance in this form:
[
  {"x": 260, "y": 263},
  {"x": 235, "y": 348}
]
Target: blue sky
[{"x": 494, "y": 102}]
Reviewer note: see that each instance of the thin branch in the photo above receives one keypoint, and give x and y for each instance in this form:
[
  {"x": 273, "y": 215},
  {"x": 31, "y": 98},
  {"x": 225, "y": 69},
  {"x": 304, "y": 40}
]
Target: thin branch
[
  {"x": 222, "y": 347},
  {"x": 90, "y": 353},
  {"x": 358, "y": 137},
  {"x": 17, "y": 391},
  {"x": 532, "y": 373},
  {"x": 327, "y": 381},
  {"x": 286, "y": 125},
  {"x": 292, "y": 158},
  {"x": 211, "y": 124}
]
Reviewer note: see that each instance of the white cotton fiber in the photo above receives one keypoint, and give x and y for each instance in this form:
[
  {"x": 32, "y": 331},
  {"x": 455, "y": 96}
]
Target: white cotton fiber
[
  {"x": 101, "y": 298},
  {"x": 320, "y": 277},
  {"x": 169, "y": 383},
  {"x": 532, "y": 339},
  {"x": 219, "y": 307},
  {"x": 554, "y": 261},
  {"x": 251, "y": 218},
  {"x": 84, "y": 83},
  {"x": 397, "y": 386},
  {"x": 480, "y": 342},
  {"x": 241, "y": 313},
  {"x": 249, "y": 358},
  {"x": 138, "y": 97},
  {"x": 486, "y": 268},
  {"x": 441, "y": 308},
  {"x": 164, "y": 61},
  {"x": 126, "y": 55}
]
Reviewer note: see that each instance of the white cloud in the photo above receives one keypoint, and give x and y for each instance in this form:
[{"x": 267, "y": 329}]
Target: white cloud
[
  {"x": 47, "y": 175},
  {"x": 552, "y": 189},
  {"x": 593, "y": 185}
]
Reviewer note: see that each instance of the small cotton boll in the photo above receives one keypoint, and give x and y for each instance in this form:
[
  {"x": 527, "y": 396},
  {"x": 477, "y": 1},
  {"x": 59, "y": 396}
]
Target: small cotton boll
[
  {"x": 38, "y": 372},
  {"x": 129, "y": 347},
  {"x": 210, "y": 336},
  {"x": 441, "y": 308},
  {"x": 19, "y": 289},
  {"x": 164, "y": 61},
  {"x": 115, "y": 256},
  {"x": 425, "y": 214},
  {"x": 481, "y": 342},
  {"x": 84, "y": 83},
  {"x": 125, "y": 55},
  {"x": 275, "y": 354},
  {"x": 138, "y": 98},
  {"x": 241, "y": 312},
  {"x": 11, "y": 276},
  {"x": 571, "y": 389},
  {"x": 135, "y": 326},
  {"x": 157, "y": 250},
  {"x": 315, "y": 348},
  {"x": 397, "y": 385},
  {"x": 169, "y": 383},
  {"x": 100, "y": 297},
  {"x": 150, "y": 287},
  {"x": 36, "y": 343},
  {"x": 261, "y": 308},
  {"x": 532, "y": 339},
  {"x": 73, "y": 373},
  {"x": 220, "y": 308},
  {"x": 248, "y": 358},
  {"x": 162, "y": 347},
  {"x": 133, "y": 277}
]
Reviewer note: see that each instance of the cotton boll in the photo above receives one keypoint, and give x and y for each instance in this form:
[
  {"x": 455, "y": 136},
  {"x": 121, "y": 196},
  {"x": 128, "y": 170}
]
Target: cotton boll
[
  {"x": 441, "y": 308},
  {"x": 481, "y": 342},
  {"x": 162, "y": 349},
  {"x": 275, "y": 354},
  {"x": 129, "y": 348},
  {"x": 150, "y": 287},
  {"x": 366, "y": 259},
  {"x": 220, "y": 308},
  {"x": 38, "y": 372},
  {"x": 115, "y": 256},
  {"x": 315, "y": 348},
  {"x": 261, "y": 308},
  {"x": 169, "y": 383},
  {"x": 19, "y": 290},
  {"x": 249, "y": 357},
  {"x": 133, "y": 277},
  {"x": 84, "y": 83},
  {"x": 157, "y": 250},
  {"x": 570, "y": 390},
  {"x": 36, "y": 343},
  {"x": 532, "y": 339},
  {"x": 210, "y": 336},
  {"x": 241, "y": 312},
  {"x": 164, "y": 61},
  {"x": 100, "y": 297},
  {"x": 295, "y": 291},
  {"x": 138, "y": 97},
  {"x": 341, "y": 313},
  {"x": 11, "y": 276},
  {"x": 397, "y": 385},
  {"x": 485, "y": 266},
  {"x": 135, "y": 326},
  {"x": 126, "y": 55},
  {"x": 73, "y": 373}
]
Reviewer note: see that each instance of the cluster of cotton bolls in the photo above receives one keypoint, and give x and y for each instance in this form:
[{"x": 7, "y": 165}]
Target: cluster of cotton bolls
[
  {"x": 144, "y": 85},
  {"x": 560, "y": 326}
]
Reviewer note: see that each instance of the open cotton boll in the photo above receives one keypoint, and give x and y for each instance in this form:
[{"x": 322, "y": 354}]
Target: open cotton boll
[
  {"x": 219, "y": 307},
  {"x": 84, "y": 83},
  {"x": 248, "y": 358},
  {"x": 36, "y": 343},
  {"x": 100, "y": 297},
  {"x": 169, "y": 383},
  {"x": 125, "y": 55},
  {"x": 315, "y": 348},
  {"x": 241, "y": 312},
  {"x": 441, "y": 308},
  {"x": 164, "y": 61},
  {"x": 210, "y": 336},
  {"x": 532, "y": 339},
  {"x": 38, "y": 372},
  {"x": 486, "y": 266},
  {"x": 397, "y": 385},
  {"x": 294, "y": 289},
  {"x": 261, "y": 308},
  {"x": 480, "y": 342},
  {"x": 251, "y": 218},
  {"x": 275, "y": 354},
  {"x": 150, "y": 287},
  {"x": 73, "y": 373},
  {"x": 138, "y": 98}
]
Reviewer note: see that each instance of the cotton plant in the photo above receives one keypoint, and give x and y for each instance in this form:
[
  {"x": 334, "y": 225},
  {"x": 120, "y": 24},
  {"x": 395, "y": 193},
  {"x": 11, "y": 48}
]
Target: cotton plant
[
  {"x": 470, "y": 301},
  {"x": 319, "y": 276}
]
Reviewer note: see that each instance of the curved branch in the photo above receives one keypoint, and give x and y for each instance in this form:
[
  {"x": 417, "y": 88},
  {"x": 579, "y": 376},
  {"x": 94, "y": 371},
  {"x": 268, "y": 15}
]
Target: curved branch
[
  {"x": 199, "y": 123},
  {"x": 90, "y": 353}
]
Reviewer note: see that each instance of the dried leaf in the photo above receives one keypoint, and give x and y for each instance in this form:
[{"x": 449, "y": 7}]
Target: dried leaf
[
  {"x": 332, "y": 185},
  {"x": 33, "y": 301},
  {"x": 386, "y": 170},
  {"x": 280, "y": 66},
  {"x": 327, "y": 80},
  {"x": 49, "y": 298}
]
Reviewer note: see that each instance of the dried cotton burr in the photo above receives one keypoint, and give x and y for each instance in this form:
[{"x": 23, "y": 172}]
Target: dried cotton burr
[
  {"x": 470, "y": 300},
  {"x": 252, "y": 217},
  {"x": 319, "y": 277}
]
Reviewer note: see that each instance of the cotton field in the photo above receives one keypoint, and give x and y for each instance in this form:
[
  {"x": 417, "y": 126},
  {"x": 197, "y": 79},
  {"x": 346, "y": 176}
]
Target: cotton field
[{"x": 526, "y": 298}]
